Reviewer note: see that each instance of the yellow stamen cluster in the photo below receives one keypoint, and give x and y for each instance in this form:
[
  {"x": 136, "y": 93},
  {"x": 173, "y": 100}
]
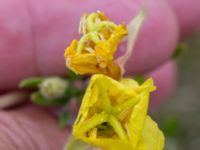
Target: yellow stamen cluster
[{"x": 94, "y": 52}]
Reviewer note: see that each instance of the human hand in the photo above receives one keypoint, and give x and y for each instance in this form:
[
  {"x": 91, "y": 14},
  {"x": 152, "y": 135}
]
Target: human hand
[{"x": 34, "y": 35}]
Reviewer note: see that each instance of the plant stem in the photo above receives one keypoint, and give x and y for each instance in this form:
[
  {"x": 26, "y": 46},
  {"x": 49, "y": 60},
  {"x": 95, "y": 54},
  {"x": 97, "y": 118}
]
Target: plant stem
[{"x": 75, "y": 144}]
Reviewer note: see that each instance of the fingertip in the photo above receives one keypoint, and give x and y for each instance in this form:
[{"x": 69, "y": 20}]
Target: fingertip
[
  {"x": 188, "y": 15},
  {"x": 17, "y": 57},
  {"x": 48, "y": 28},
  {"x": 165, "y": 78},
  {"x": 156, "y": 41},
  {"x": 30, "y": 127}
]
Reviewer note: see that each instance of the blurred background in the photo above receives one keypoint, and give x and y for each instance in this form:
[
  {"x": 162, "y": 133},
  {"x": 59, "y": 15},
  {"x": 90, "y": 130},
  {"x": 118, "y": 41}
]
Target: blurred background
[{"x": 179, "y": 116}]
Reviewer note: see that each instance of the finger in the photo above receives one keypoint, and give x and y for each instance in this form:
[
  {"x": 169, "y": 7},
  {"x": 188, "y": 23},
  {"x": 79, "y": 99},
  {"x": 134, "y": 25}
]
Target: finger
[
  {"x": 35, "y": 42},
  {"x": 165, "y": 80},
  {"x": 188, "y": 15},
  {"x": 16, "y": 47},
  {"x": 30, "y": 128}
]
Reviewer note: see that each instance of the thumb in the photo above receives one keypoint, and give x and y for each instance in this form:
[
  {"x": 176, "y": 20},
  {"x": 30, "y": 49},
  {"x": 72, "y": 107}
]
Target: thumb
[
  {"x": 34, "y": 35},
  {"x": 188, "y": 15},
  {"x": 30, "y": 128}
]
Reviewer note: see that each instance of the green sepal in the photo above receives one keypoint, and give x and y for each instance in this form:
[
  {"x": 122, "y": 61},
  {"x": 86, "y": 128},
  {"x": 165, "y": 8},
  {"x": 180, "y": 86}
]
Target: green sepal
[
  {"x": 73, "y": 92},
  {"x": 170, "y": 126},
  {"x": 39, "y": 99},
  {"x": 73, "y": 76},
  {"x": 139, "y": 78},
  {"x": 31, "y": 82}
]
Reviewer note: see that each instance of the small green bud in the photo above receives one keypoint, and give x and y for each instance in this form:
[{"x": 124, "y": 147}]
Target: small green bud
[
  {"x": 31, "y": 82},
  {"x": 53, "y": 87},
  {"x": 180, "y": 48}
]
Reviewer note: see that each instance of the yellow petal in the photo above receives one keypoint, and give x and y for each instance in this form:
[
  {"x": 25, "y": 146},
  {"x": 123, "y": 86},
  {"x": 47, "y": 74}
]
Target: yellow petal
[
  {"x": 152, "y": 138},
  {"x": 108, "y": 144},
  {"x": 71, "y": 49},
  {"x": 91, "y": 95},
  {"x": 135, "y": 124},
  {"x": 79, "y": 63},
  {"x": 116, "y": 37}
]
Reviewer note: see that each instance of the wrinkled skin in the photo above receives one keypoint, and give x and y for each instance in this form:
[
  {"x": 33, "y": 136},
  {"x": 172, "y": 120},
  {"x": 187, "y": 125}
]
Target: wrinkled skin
[{"x": 34, "y": 34}]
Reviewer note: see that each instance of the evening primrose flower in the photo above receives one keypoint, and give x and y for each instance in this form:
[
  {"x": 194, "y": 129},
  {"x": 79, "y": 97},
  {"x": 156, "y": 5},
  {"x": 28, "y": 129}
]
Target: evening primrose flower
[
  {"x": 113, "y": 116},
  {"x": 94, "y": 52}
]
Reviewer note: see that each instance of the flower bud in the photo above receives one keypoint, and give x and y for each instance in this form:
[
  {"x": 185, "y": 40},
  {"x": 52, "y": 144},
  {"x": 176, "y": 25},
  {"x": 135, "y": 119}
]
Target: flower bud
[{"x": 53, "y": 87}]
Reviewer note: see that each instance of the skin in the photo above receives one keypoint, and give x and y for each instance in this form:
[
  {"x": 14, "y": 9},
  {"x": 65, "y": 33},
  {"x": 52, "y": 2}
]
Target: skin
[
  {"x": 34, "y": 34},
  {"x": 188, "y": 16}
]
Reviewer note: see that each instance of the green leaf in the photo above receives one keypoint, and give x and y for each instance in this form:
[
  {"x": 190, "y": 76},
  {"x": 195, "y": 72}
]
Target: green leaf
[
  {"x": 39, "y": 99},
  {"x": 139, "y": 78},
  {"x": 31, "y": 82},
  {"x": 171, "y": 126},
  {"x": 179, "y": 50},
  {"x": 75, "y": 144},
  {"x": 63, "y": 119}
]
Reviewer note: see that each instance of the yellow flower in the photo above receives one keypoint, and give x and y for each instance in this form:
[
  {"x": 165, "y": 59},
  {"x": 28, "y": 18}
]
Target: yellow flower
[
  {"x": 113, "y": 116},
  {"x": 94, "y": 52}
]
